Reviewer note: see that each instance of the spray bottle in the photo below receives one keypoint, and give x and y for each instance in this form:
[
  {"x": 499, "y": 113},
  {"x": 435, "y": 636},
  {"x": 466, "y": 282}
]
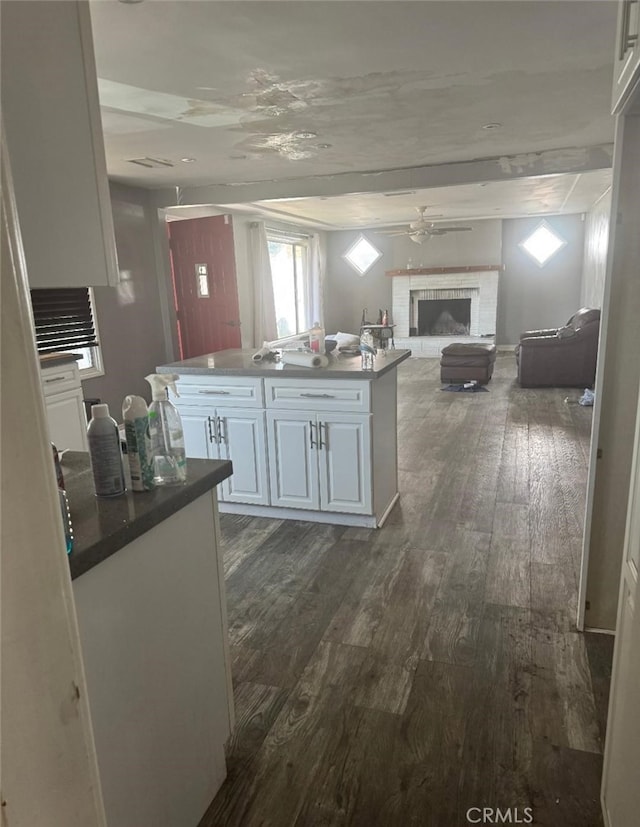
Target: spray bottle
[
  {"x": 165, "y": 431},
  {"x": 136, "y": 429}
]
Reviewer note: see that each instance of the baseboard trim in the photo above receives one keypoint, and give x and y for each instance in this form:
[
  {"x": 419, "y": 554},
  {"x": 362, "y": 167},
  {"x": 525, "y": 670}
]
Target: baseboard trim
[
  {"x": 599, "y": 631},
  {"x": 510, "y": 348},
  {"x": 332, "y": 517}
]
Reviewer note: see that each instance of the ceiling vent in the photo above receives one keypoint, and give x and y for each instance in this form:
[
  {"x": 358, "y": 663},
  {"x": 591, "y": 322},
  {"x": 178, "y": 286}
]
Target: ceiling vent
[{"x": 151, "y": 163}]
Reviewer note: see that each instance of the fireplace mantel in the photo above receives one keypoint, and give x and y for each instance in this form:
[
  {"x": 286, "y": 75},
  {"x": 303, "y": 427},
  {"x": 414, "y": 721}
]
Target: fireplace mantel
[{"x": 443, "y": 271}]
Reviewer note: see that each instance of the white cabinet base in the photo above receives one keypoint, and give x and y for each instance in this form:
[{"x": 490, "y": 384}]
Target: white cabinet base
[{"x": 332, "y": 517}]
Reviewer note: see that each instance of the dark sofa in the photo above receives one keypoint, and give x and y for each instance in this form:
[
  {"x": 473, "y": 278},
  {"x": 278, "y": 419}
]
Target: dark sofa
[{"x": 561, "y": 357}]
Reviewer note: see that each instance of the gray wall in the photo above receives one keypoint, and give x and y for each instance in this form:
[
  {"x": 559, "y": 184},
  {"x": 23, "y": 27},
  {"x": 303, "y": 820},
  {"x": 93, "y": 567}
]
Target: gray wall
[
  {"x": 532, "y": 297},
  {"x": 596, "y": 243},
  {"x": 129, "y": 315},
  {"x": 482, "y": 245},
  {"x": 346, "y": 292}
]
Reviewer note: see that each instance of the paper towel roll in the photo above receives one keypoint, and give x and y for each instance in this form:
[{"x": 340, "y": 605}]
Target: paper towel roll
[
  {"x": 261, "y": 354},
  {"x": 304, "y": 360}
]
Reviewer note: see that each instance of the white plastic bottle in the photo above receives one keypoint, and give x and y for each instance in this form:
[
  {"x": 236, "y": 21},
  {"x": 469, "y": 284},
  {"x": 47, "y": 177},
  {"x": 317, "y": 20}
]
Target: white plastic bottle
[
  {"x": 136, "y": 429},
  {"x": 104, "y": 452},
  {"x": 165, "y": 431}
]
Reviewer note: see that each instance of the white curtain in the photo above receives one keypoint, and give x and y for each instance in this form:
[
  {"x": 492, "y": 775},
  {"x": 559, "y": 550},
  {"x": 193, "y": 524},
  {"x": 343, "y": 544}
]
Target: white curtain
[
  {"x": 315, "y": 280},
  {"x": 264, "y": 311}
]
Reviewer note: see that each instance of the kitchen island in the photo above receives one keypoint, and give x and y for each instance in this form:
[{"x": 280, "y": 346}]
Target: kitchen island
[
  {"x": 148, "y": 588},
  {"x": 316, "y": 444}
]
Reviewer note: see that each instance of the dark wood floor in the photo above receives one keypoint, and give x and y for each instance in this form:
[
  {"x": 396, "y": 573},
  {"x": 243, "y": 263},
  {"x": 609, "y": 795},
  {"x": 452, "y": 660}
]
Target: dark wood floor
[{"x": 401, "y": 676}]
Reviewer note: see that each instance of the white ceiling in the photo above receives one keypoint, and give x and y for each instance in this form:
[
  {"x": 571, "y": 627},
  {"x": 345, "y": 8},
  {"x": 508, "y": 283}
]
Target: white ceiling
[{"x": 271, "y": 91}]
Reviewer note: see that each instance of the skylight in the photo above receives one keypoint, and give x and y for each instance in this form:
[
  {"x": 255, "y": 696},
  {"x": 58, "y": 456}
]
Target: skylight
[
  {"x": 362, "y": 255},
  {"x": 542, "y": 244}
]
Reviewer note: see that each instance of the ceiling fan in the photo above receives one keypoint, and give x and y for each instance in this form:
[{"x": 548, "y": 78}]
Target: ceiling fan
[{"x": 423, "y": 229}]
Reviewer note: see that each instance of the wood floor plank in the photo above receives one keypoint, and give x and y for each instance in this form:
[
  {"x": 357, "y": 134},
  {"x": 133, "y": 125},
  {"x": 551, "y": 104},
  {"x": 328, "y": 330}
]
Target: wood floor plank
[
  {"x": 554, "y": 597},
  {"x": 454, "y": 625},
  {"x": 509, "y": 572},
  {"x": 562, "y": 705},
  {"x": 498, "y": 741},
  {"x": 565, "y": 787}
]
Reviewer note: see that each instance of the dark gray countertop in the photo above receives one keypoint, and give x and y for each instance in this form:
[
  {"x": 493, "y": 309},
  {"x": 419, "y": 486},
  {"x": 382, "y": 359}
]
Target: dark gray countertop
[
  {"x": 103, "y": 526},
  {"x": 239, "y": 363}
]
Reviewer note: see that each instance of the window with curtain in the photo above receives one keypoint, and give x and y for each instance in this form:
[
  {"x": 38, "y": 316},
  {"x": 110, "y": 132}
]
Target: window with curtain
[
  {"x": 64, "y": 322},
  {"x": 289, "y": 257}
]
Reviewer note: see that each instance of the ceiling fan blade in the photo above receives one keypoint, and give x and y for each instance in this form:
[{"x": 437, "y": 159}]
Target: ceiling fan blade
[{"x": 441, "y": 230}]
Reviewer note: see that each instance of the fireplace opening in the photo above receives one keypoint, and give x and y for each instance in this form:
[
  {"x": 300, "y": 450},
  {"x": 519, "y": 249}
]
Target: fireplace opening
[{"x": 444, "y": 317}]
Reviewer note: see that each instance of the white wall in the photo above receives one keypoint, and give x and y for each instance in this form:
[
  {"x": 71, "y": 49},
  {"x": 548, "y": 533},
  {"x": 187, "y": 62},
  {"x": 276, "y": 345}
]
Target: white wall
[{"x": 596, "y": 242}]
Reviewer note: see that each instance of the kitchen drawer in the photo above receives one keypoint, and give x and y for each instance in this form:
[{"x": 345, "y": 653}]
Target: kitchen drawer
[
  {"x": 59, "y": 379},
  {"x": 318, "y": 395},
  {"x": 223, "y": 391}
]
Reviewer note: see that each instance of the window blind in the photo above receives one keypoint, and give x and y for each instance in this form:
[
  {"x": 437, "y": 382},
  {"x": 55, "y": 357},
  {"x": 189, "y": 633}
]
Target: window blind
[{"x": 63, "y": 319}]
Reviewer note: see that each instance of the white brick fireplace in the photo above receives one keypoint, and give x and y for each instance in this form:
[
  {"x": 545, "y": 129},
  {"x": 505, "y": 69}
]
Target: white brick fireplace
[{"x": 480, "y": 287}]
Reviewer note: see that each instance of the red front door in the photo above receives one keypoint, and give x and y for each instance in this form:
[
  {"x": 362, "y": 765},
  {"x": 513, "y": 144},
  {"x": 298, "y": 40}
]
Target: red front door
[{"x": 203, "y": 268}]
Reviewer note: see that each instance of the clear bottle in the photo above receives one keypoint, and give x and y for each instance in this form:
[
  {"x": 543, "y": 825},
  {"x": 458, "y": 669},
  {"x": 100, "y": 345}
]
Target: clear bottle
[
  {"x": 104, "y": 452},
  {"x": 367, "y": 349},
  {"x": 165, "y": 431}
]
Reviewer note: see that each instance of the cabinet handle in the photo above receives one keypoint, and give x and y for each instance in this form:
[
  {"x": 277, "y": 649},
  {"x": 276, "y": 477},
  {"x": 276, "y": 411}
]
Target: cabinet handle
[
  {"x": 312, "y": 425},
  {"x": 322, "y": 444},
  {"x": 212, "y": 438},
  {"x": 55, "y": 379},
  {"x": 216, "y": 393},
  {"x": 222, "y": 437},
  {"x": 318, "y": 395}
]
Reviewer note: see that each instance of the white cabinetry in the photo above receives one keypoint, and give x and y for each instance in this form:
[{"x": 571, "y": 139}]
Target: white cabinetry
[
  {"x": 320, "y": 449},
  {"x": 627, "y": 57},
  {"x": 214, "y": 431},
  {"x": 320, "y": 461},
  {"x": 65, "y": 407},
  {"x": 51, "y": 118}
]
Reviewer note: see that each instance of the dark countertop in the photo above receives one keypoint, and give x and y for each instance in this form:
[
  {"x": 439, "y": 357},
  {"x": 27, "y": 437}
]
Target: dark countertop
[
  {"x": 239, "y": 363},
  {"x": 103, "y": 526},
  {"x": 50, "y": 360}
]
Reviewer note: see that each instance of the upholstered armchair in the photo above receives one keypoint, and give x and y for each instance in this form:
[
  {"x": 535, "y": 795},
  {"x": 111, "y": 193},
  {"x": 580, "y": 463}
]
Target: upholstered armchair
[{"x": 560, "y": 357}]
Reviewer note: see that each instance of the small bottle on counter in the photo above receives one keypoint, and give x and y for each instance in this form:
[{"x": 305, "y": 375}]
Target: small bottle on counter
[
  {"x": 136, "y": 428},
  {"x": 58, "y": 467},
  {"x": 165, "y": 431},
  {"x": 367, "y": 349},
  {"x": 104, "y": 452},
  {"x": 316, "y": 338}
]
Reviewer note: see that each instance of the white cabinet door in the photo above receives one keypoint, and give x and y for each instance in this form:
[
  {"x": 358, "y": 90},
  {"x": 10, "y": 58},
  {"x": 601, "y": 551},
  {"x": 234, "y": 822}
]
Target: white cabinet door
[
  {"x": 620, "y": 792},
  {"x": 67, "y": 421},
  {"x": 55, "y": 144},
  {"x": 293, "y": 471},
  {"x": 627, "y": 57},
  {"x": 197, "y": 428},
  {"x": 242, "y": 440},
  {"x": 344, "y": 463}
]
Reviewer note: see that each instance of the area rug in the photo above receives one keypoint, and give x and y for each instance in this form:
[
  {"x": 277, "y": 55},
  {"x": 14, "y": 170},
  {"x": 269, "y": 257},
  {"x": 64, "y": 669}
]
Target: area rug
[{"x": 467, "y": 387}]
